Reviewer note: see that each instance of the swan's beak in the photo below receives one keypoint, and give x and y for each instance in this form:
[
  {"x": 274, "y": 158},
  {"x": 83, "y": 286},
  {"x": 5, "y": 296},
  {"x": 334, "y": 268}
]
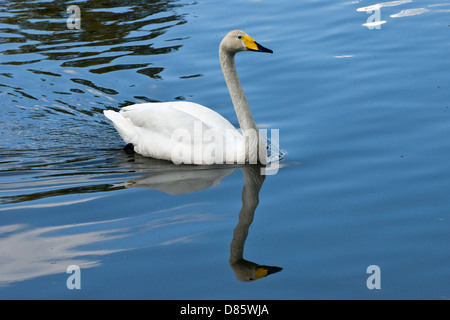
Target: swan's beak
[{"x": 252, "y": 45}]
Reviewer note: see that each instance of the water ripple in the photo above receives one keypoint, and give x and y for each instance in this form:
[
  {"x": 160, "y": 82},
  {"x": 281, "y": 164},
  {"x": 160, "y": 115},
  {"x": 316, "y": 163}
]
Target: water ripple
[{"x": 67, "y": 72}]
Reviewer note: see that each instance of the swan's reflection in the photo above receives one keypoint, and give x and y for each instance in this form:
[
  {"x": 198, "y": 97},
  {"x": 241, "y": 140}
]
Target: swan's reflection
[
  {"x": 175, "y": 180},
  {"x": 170, "y": 178},
  {"x": 247, "y": 270},
  {"x": 30, "y": 251}
]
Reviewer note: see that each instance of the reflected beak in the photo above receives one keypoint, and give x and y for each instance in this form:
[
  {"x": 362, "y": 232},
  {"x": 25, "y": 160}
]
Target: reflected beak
[{"x": 264, "y": 271}]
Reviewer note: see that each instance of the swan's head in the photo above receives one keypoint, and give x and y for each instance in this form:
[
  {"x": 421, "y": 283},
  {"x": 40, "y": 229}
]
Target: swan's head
[
  {"x": 236, "y": 41},
  {"x": 245, "y": 270}
]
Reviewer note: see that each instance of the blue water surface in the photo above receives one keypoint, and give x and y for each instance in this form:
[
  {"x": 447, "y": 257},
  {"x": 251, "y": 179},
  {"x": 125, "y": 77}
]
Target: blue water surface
[{"x": 360, "y": 94}]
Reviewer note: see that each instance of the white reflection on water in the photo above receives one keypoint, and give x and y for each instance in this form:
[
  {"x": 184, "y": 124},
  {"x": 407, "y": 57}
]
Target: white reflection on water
[
  {"x": 409, "y": 12},
  {"x": 383, "y": 4},
  {"x": 176, "y": 180},
  {"x": 402, "y": 13},
  {"x": 48, "y": 205},
  {"x": 28, "y": 252}
]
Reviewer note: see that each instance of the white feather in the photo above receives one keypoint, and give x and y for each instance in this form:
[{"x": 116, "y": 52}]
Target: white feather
[{"x": 177, "y": 130}]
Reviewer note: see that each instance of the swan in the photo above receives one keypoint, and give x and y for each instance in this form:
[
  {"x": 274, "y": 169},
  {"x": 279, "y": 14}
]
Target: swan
[{"x": 189, "y": 133}]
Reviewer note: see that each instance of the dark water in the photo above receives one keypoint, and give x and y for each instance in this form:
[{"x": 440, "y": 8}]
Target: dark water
[{"x": 363, "y": 114}]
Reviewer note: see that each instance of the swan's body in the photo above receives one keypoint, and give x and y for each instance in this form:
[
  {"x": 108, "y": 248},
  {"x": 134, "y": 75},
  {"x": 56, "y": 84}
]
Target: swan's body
[
  {"x": 155, "y": 130},
  {"x": 186, "y": 132}
]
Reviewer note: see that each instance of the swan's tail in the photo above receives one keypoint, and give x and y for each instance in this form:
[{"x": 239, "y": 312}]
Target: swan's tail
[{"x": 122, "y": 124}]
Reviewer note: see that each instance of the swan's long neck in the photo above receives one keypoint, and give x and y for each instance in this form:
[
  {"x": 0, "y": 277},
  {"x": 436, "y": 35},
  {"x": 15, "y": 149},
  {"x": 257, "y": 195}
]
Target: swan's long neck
[
  {"x": 237, "y": 94},
  {"x": 240, "y": 103}
]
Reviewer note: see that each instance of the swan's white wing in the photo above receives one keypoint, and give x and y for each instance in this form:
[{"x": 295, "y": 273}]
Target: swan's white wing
[
  {"x": 177, "y": 131},
  {"x": 169, "y": 116}
]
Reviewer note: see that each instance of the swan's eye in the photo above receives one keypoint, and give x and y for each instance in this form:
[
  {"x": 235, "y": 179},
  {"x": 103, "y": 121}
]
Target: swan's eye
[{"x": 239, "y": 37}]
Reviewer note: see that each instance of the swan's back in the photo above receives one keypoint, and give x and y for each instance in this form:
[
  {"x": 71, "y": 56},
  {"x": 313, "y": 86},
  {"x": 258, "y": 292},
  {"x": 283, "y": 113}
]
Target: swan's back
[{"x": 183, "y": 132}]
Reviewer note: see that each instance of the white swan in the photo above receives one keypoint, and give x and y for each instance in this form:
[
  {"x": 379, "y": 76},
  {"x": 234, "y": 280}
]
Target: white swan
[{"x": 186, "y": 132}]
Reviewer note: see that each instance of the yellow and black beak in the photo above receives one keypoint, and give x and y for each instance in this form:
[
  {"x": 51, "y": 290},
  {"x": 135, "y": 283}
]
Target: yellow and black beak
[
  {"x": 252, "y": 45},
  {"x": 264, "y": 271}
]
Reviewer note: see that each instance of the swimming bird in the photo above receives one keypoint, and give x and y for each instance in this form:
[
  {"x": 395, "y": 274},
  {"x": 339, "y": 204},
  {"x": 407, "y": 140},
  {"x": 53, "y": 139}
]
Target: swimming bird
[{"x": 186, "y": 132}]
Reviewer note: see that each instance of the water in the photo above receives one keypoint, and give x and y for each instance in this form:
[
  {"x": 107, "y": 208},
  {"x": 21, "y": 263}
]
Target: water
[{"x": 363, "y": 114}]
